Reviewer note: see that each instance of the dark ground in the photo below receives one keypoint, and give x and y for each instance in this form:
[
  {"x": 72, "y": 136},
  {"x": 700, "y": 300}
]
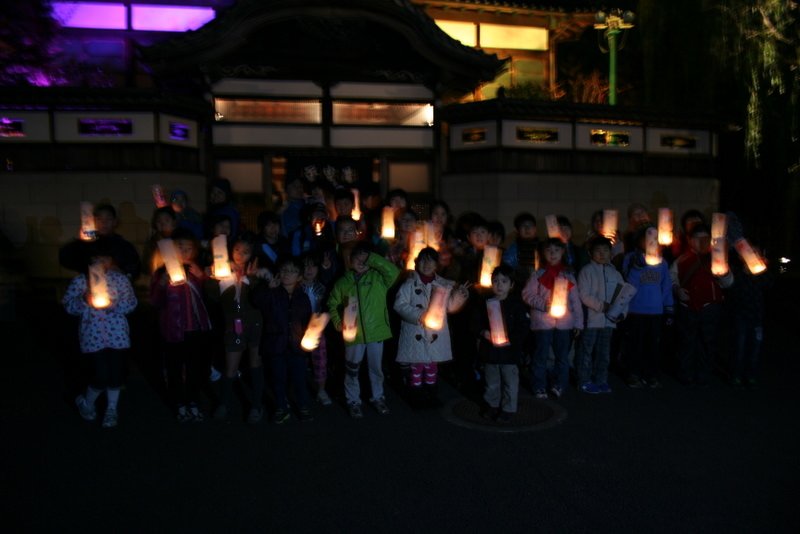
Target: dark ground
[{"x": 669, "y": 460}]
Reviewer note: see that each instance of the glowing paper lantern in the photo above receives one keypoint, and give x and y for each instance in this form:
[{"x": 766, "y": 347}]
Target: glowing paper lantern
[
  {"x": 610, "y": 223},
  {"x": 158, "y": 196},
  {"x": 219, "y": 248},
  {"x": 319, "y": 224},
  {"x": 491, "y": 259},
  {"x": 553, "y": 228},
  {"x": 664, "y": 226},
  {"x": 623, "y": 297},
  {"x": 750, "y": 256},
  {"x": 719, "y": 256},
  {"x": 431, "y": 235},
  {"x": 98, "y": 286},
  {"x": 350, "y": 321},
  {"x": 416, "y": 244},
  {"x": 88, "y": 230},
  {"x": 387, "y": 228},
  {"x": 497, "y": 326},
  {"x": 314, "y": 330},
  {"x": 356, "y": 213},
  {"x": 719, "y": 225},
  {"x": 437, "y": 307},
  {"x": 558, "y": 306},
  {"x": 171, "y": 261},
  {"x": 652, "y": 254}
]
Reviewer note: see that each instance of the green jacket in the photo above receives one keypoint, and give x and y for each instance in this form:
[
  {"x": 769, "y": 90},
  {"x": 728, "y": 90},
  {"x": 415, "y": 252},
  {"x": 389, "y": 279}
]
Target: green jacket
[{"x": 370, "y": 290}]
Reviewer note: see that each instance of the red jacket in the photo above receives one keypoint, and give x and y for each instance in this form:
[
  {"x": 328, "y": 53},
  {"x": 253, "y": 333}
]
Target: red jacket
[{"x": 694, "y": 275}]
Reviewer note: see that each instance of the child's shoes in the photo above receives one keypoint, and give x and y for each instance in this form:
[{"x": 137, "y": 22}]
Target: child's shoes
[{"x": 85, "y": 409}]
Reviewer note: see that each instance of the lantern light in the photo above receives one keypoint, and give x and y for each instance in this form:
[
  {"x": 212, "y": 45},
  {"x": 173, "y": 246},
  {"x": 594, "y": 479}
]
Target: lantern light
[
  {"x": 664, "y": 226},
  {"x": 497, "y": 325},
  {"x": 719, "y": 256},
  {"x": 387, "y": 228},
  {"x": 314, "y": 330},
  {"x": 491, "y": 259},
  {"x": 158, "y": 196},
  {"x": 219, "y": 248},
  {"x": 350, "y": 321},
  {"x": 750, "y": 256},
  {"x": 415, "y": 246},
  {"x": 652, "y": 254},
  {"x": 98, "y": 286},
  {"x": 719, "y": 225},
  {"x": 610, "y": 223},
  {"x": 558, "y": 306},
  {"x": 553, "y": 228},
  {"x": 356, "y": 214},
  {"x": 174, "y": 266},
  {"x": 88, "y": 229},
  {"x": 437, "y": 307}
]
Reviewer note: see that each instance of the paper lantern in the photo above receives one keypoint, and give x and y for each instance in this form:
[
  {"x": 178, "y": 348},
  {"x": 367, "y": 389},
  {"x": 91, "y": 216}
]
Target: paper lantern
[
  {"x": 415, "y": 246},
  {"x": 437, "y": 307},
  {"x": 664, "y": 226},
  {"x": 652, "y": 254},
  {"x": 98, "y": 286},
  {"x": 88, "y": 230},
  {"x": 350, "y": 321},
  {"x": 719, "y": 256},
  {"x": 387, "y": 228},
  {"x": 558, "y": 305},
  {"x": 314, "y": 330},
  {"x": 491, "y": 259},
  {"x": 750, "y": 256},
  {"x": 219, "y": 248},
  {"x": 158, "y": 196},
  {"x": 170, "y": 256},
  {"x": 431, "y": 235},
  {"x": 356, "y": 213},
  {"x": 497, "y": 325},
  {"x": 610, "y": 223},
  {"x": 553, "y": 228},
  {"x": 318, "y": 224},
  {"x": 623, "y": 297},
  {"x": 719, "y": 225}
]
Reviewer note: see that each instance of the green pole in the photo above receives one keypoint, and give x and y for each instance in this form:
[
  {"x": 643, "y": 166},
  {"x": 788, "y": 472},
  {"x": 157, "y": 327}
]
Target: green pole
[{"x": 612, "y": 67}]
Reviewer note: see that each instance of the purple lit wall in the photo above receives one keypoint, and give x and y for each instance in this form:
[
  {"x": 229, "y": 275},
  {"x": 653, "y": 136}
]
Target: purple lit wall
[{"x": 143, "y": 17}]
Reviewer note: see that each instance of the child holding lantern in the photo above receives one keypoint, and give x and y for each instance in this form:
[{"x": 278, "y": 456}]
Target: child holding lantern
[
  {"x": 184, "y": 323},
  {"x": 286, "y": 312},
  {"x": 317, "y": 292},
  {"x": 240, "y": 324},
  {"x": 556, "y": 311},
  {"x": 423, "y": 302},
  {"x": 357, "y": 304},
  {"x": 501, "y": 338},
  {"x": 102, "y": 298}
]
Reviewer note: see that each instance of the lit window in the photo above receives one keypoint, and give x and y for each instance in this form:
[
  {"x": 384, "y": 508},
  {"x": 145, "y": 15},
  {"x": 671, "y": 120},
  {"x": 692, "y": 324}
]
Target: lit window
[
  {"x": 91, "y": 15},
  {"x": 382, "y": 113},
  {"x": 280, "y": 111},
  {"x": 169, "y": 18},
  {"x": 514, "y": 37},
  {"x": 460, "y": 31}
]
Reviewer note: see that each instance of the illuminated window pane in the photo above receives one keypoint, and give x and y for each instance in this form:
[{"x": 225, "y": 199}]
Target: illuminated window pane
[
  {"x": 460, "y": 31},
  {"x": 610, "y": 138},
  {"x": 90, "y": 15},
  {"x": 516, "y": 37},
  {"x": 281, "y": 111},
  {"x": 169, "y": 18},
  {"x": 382, "y": 113}
]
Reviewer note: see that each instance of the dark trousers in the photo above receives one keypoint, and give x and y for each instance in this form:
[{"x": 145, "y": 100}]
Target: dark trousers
[
  {"x": 188, "y": 366},
  {"x": 286, "y": 367},
  {"x": 643, "y": 338},
  {"x": 107, "y": 369},
  {"x": 697, "y": 341}
]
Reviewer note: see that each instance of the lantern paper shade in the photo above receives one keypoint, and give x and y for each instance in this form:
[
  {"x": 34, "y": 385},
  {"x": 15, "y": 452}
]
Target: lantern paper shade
[
  {"x": 98, "y": 286},
  {"x": 652, "y": 255},
  {"x": 491, "y": 259},
  {"x": 610, "y": 223},
  {"x": 314, "y": 331},
  {"x": 88, "y": 230},
  {"x": 626, "y": 293},
  {"x": 750, "y": 257},
  {"x": 159, "y": 197},
  {"x": 219, "y": 247},
  {"x": 719, "y": 225},
  {"x": 171, "y": 261},
  {"x": 437, "y": 307},
  {"x": 664, "y": 226},
  {"x": 558, "y": 306},
  {"x": 319, "y": 224},
  {"x": 415, "y": 246},
  {"x": 719, "y": 256},
  {"x": 350, "y": 321},
  {"x": 387, "y": 227},
  {"x": 497, "y": 326},
  {"x": 431, "y": 237},
  {"x": 356, "y": 214},
  {"x": 553, "y": 229}
]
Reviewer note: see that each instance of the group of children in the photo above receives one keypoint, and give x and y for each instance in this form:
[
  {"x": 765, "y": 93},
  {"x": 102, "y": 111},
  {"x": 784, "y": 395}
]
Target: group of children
[{"x": 547, "y": 298}]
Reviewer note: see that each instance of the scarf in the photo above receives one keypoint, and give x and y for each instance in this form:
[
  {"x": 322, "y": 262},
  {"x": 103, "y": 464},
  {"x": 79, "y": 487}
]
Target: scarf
[{"x": 551, "y": 272}]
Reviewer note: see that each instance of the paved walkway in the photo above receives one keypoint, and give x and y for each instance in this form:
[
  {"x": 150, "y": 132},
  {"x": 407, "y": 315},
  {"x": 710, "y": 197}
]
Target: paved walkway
[{"x": 669, "y": 460}]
